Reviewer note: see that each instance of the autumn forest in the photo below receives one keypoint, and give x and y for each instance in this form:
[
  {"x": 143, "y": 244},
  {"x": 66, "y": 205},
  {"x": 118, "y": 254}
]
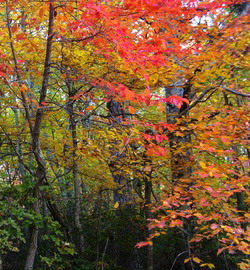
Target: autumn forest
[{"x": 124, "y": 135}]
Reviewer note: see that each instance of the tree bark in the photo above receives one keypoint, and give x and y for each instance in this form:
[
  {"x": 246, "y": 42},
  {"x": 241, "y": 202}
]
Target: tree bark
[
  {"x": 40, "y": 175},
  {"x": 30, "y": 257},
  {"x": 148, "y": 215},
  {"x": 1, "y": 263},
  {"x": 116, "y": 115},
  {"x": 19, "y": 149},
  {"x": 77, "y": 182},
  {"x": 180, "y": 161}
]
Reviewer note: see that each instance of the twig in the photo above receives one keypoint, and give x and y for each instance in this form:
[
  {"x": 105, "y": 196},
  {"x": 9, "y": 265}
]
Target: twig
[
  {"x": 186, "y": 251},
  {"x": 105, "y": 249},
  {"x": 78, "y": 39}
]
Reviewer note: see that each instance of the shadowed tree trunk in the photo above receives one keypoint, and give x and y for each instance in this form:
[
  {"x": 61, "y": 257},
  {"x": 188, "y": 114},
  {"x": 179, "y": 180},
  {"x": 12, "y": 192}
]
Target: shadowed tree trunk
[
  {"x": 241, "y": 9},
  {"x": 180, "y": 163},
  {"x": 116, "y": 115},
  {"x": 1, "y": 263},
  {"x": 180, "y": 159}
]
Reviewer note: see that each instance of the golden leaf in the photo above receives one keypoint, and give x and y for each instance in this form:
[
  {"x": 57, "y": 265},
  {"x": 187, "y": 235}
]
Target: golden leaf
[{"x": 116, "y": 205}]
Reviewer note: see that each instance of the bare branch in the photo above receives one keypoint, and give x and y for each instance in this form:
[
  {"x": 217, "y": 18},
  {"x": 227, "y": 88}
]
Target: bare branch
[
  {"x": 78, "y": 39},
  {"x": 196, "y": 101},
  {"x": 235, "y": 92}
]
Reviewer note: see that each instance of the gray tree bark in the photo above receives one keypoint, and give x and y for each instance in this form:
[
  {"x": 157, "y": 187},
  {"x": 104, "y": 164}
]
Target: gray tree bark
[{"x": 76, "y": 179}]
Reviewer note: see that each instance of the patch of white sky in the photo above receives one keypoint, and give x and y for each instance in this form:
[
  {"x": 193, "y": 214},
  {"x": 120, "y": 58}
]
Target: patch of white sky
[{"x": 207, "y": 19}]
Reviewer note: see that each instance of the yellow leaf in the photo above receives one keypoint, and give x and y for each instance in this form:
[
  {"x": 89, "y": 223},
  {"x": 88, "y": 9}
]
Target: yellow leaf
[
  {"x": 196, "y": 259},
  {"x": 187, "y": 260},
  {"x": 209, "y": 265},
  {"x": 202, "y": 164},
  {"x": 116, "y": 205},
  {"x": 211, "y": 174}
]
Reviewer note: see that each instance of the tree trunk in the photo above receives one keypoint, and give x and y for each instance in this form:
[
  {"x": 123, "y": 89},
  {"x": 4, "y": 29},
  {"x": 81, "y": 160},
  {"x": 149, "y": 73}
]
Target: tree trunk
[
  {"x": 77, "y": 182},
  {"x": 148, "y": 214},
  {"x": 1, "y": 263},
  {"x": 19, "y": 149},
  {"x": 30, "y": 258},
  {"x": 180, "y": 160},
  {"x": 32, "y": 248},
  {"x": 116, "y": 115},
  {"x": 40, "y": 175}
]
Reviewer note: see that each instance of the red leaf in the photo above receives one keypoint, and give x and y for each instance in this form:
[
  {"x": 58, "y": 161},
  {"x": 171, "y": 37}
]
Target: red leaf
[
  {"x": 20, "y": 37},
  {"x": 177, "y": 100}
]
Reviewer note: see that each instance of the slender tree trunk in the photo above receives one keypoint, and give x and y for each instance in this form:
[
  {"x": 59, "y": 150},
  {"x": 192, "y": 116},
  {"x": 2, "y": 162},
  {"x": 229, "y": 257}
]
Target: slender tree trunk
[
  {"x": 181, "y": 166},
  {"x": 40, "y": 175},
  {"x": 148, "y": 214},
  {"x": 240, "y": 196},
  {"x": 1, "y": 263},
  {"x": 30, "y": 257},
  {"x": 32, "y": 248},
  {"x": 116, "y": 114},
  {"x": 77, "y": 182},
  {"x": 19, "y": 148}
]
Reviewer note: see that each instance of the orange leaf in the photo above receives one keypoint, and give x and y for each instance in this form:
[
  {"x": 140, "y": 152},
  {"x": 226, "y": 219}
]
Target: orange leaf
[
  {"x": 41, "y": 12},
  {"x": 220, "y": 250},
  {"x": 129, "y": 94},
  {"x": 131, "y": 110},
  {"x": 176, "y": 223},
  {"x": 23, "y": 88},
  {"x": 143, "y": 244},
  {"x": 20, "y": 37},
  {"x": 89, "y": 108}
]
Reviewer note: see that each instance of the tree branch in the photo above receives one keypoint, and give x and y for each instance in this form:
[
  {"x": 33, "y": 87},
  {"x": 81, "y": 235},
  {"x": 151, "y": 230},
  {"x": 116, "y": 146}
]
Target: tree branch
[
  {"x": 78, "y": 39},
  {"x": 196, "y": 101},
  {"x": 43, "y": 91},
  {"x": 235, "y": 92}
]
